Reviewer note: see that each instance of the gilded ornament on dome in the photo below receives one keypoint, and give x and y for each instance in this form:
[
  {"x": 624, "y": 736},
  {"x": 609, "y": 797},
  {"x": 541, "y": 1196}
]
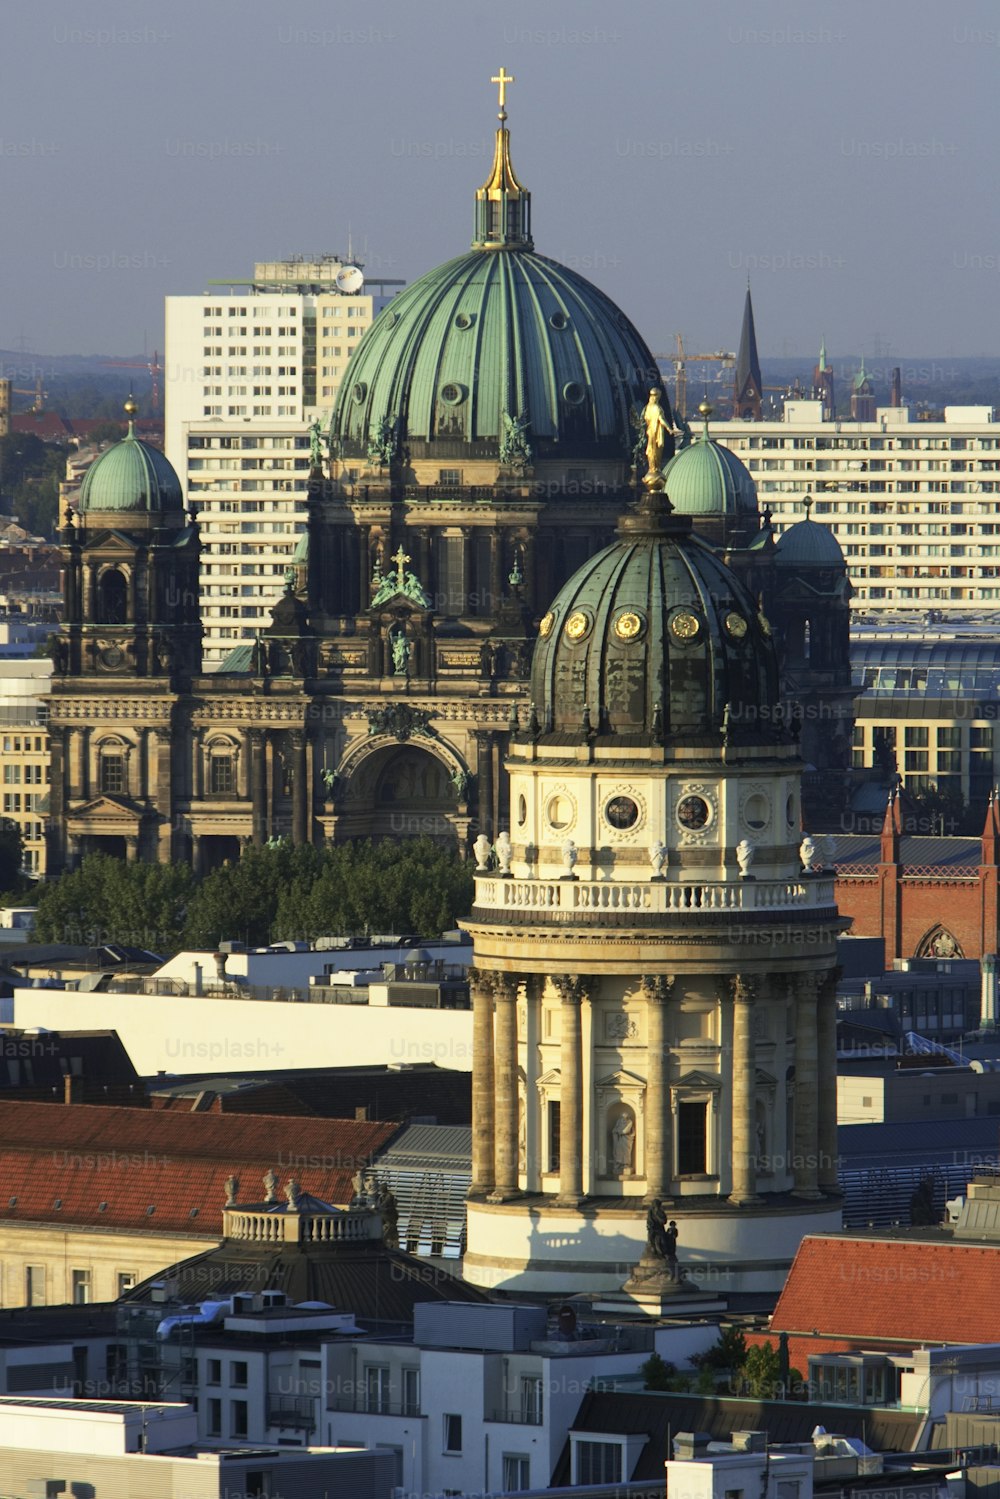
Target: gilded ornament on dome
[
  {"x": 629, "y": 625},
  {"x": 578, "y": 625},
  {"x": 765, "y": 623},
  {"x": 684, "y": 626},
  {"x": 545, "y": 626},
  {"x": 736, "y": 625}
]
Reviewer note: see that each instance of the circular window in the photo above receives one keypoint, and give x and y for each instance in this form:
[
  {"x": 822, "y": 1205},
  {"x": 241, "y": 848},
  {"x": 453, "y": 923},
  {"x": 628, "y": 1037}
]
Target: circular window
[
  {"x": 684, "y": 626},
  {"x": 463, "y": 320},
  {"x": 755, "y": 811},
  {"x": 559, "y": 812},
  {"x": 693, "y": 813},
  {"x": 559, "y": 320},
  {"x": 522, "y": 811},
  {"x": 578, "y": 625},
  {"x": 453, "y": 394},
  {"x": 359, "y": 392},
  {"x": 545, "y": 625},
  {"x": 574, "y": 392},
  {"x": 736, "y": 625},
  {"x": 622, "y": 812},
  {"x": 629, "y": 625}
]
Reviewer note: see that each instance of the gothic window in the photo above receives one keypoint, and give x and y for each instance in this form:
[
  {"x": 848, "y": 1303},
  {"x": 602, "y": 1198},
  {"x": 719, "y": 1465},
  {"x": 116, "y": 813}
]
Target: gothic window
[
  {"x": 112, "y": 598},
  {"x": 111, "y": 772}
]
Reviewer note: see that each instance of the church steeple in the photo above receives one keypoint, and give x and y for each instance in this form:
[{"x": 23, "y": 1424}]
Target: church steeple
[
  {"x": 503, "y": 206},
  {"x": 747, "y": 383}
]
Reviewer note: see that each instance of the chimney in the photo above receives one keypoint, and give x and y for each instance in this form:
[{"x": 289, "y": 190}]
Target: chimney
[
  {"x": 362, "y": 1113},
  {"x": 72, "y": 1088}
]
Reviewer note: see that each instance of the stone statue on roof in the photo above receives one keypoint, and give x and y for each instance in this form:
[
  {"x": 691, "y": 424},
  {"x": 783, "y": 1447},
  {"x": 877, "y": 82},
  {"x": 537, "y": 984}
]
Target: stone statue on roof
[{"x": 270, "y": 1186}]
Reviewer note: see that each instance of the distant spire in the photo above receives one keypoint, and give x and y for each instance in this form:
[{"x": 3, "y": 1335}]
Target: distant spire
[
  {"x": 130, "y": 411},
  {"x": 503, "y": 206},
  {"x": 822, "y": 353},
  {"x": 748, "y": 386}
]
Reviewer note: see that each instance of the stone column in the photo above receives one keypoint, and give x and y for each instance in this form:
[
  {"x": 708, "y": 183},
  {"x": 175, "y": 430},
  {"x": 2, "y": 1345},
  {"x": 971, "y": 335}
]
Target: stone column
[
  {"x": 482, "y": 1082},
  {"x": 659, "y": 1144},
  {"x": 258, "y": 786},
  {"x": 364, "y": 569},
  {"x": 505, "y": 1175},
  {"x": 743, "y": 1147},
  {"x": 484, "y": 782},
  {"x": 297, "y": 750},
  {"x": 571, "y": 1093},
  {"x": 805, "y": 987},
  {"x": 826, "y": 1066}
]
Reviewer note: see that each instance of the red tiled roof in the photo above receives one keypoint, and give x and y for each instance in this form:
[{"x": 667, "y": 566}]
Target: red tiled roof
[
  {"x": 133, "y": 1159},
  {"x": 860, "y": 1292}
]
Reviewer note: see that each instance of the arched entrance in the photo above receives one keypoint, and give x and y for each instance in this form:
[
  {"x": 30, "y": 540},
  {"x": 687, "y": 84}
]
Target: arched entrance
[{"x": 401, "y": 790}]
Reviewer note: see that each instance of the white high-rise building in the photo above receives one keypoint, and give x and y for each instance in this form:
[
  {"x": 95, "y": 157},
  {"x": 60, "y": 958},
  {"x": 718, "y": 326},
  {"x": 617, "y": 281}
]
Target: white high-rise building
[
  {"x": 912, "y": 503},
  {"x": 249, "y": 367}
]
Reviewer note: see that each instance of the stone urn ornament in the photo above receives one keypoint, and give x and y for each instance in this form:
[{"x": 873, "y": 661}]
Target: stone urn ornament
[
  {"x": 504, "y": 851},
  {"x": 658, "y": 853},
  {"x": 569, "y": 858},
  {"x": 809, "y": 854},
  {"x": 482, "y": 848},
  {"x": 745, "y": 851}
]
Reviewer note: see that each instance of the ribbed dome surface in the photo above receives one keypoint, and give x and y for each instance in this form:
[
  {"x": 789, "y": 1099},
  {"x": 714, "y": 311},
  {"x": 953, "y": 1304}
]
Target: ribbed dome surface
[
  {"x": 808, "y": 544},
  {"x": 655, "y": 636},
  {"x": 705, "y": 478},
  {"x": 495, "y": 334},
  {"x": 131, "y": 476}
]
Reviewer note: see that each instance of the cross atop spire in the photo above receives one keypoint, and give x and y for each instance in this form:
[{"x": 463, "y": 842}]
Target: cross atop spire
[{"x": 503, "y": 78}]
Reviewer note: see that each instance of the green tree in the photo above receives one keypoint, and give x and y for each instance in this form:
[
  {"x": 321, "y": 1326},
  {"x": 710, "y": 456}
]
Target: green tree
[
  {"x": 728, "y": 1354},
  {"x": 761, "y": 1373},
  {"x": 657, "y": 1374},
  {"x": 108, "y": 900},
  {"x": 240, "y": 900},
  {"x": 11, "y": 854}
]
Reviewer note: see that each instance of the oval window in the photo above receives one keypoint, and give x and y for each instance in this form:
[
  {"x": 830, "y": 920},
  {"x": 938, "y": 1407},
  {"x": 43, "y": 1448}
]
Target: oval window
[
  {"x": 559, "y": 320},
  {"x": 463, "y": 320},
  {"x": 622, "y": 812},
  {"x": 359, "y": 392},
  {"x": 560, "y": 812},
  {"x": 574, "y": 392},
  {"x": 452, "y": 393},
  {"x": 522, "y": 811},
  {"x": 693, "y": 813},
  {"x": 755, "y": 811}
]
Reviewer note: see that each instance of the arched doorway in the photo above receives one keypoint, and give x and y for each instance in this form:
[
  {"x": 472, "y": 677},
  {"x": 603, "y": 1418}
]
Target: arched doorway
[
  {"x": 400, "y": 791},
  {"x": 112, "y": 598}
]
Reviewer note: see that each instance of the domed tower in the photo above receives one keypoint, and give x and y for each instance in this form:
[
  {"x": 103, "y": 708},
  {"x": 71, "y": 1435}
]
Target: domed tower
[
  {"x": 483, "y": 444},
  {"x": 707, "y": 481},
  {"x": 130, "y": 629},
  {"x": 653, "y": 983}
]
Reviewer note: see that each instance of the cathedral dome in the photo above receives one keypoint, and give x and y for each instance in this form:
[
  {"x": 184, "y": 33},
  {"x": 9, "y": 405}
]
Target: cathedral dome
[
  {"x": 131, "y": 476},
  {"x": 705, "y": 478},
  {"x": 808, "y": 544},
  {"x": 500, "y": 353},
  {"x": 655, "y": 637}
]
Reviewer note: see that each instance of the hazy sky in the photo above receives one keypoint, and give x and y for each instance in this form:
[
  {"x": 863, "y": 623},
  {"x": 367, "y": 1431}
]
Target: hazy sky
[{"x": 845, "y": 155}]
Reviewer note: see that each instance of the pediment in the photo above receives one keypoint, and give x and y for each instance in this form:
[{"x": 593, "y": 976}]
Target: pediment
[
  {"x": 110, "y": 541},
  {"x": 621, "y": 1079},
  {"x": 698, "y": 1079},
  {"x": 550, "y": 1079},
  {"x": 105, "y": 809}
]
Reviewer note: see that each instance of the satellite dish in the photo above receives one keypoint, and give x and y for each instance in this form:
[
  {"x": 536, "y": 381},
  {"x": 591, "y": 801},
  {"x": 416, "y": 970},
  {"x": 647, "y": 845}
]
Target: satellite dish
[{"x": 350, "y": 279}]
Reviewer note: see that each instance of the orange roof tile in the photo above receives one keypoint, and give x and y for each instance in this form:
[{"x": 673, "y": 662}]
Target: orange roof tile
[
  {"x": 62, "y": 1163},
  {"x": 857, "y": 1292}
]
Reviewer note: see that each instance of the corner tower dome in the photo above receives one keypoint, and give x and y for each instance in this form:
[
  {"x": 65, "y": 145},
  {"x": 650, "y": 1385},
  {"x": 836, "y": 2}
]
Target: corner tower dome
[
  {"x": 706, "y": 478},
  {"x": 808, "y": 544},
  {"x": 131, "y": 476},
  {"x": 500, "y": 355},
  {"x": 656, "y": 637}
]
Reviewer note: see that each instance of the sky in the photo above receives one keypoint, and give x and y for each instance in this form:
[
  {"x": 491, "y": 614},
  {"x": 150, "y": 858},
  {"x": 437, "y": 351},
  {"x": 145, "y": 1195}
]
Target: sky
[{"x": 843, "y": 156}]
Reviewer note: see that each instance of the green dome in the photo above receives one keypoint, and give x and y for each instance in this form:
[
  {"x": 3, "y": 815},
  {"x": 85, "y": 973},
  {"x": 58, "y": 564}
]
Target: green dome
[
  {"x": 705, "y": 478},
  {"x": 808, "y": 544},
  {"x": 131, "y": 476},
  {"x": 493, "y": 336},
  {"x": 656, "y": 637}
]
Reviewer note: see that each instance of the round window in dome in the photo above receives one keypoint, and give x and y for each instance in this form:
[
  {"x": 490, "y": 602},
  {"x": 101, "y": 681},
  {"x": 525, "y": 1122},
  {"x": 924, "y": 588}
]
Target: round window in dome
[
  {"x": 359, "y": 392},
  {"x": 629, "y": 625},
  {"x": 755, "y": 811},
  {"x": 622, "y": 812},
  {"x": 463, "y": 320},
  {"x": 545, "y": 625},
  {"x": 574, "y": 393},
  {"x": 577, "y": 627},
  {"x": 559, "y": 321},
  {"x": 522, "y": 811},
  {"x": 693, "y": 813},
  {"x": 453, "y": 394},
  {"x": 684, "y": 626},
  {"x": 559, "y": 812},
  {"x": 736, "y": 626}
]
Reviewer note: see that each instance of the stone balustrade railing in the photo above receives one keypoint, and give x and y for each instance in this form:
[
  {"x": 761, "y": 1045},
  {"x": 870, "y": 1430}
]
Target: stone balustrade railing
[
  {"x": 505, "y": 893},
  {"x": 286, "y": 1226}
]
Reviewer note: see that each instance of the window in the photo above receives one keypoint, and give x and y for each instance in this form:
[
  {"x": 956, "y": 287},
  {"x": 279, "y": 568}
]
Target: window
[
  {"x": 597, "y": 1462},
  {"x": 81, "y": 1287},
  {"x": 213, "y": 1373},
  {"x": 111, "y": 773},
  {"x": 411, "y": 1392},
  {"x": 34, "y": 1285},
  {"x": 516, "y": 1471},
  {"x": 692, "y": 1139},
  {"x": 531, "y": 1400},
  {"x": 377, "y": 1388},
  {"x": 452, "y": 1433},
  {"x": 554, "y": 1133},
  {"x": 214, "y": 1418},
  {"x": 126, "y": 1281},
  {"x": 238, "y": 1373},
  {"x": 237, "y": 1418},
  {"x": 222, "y": 778}
]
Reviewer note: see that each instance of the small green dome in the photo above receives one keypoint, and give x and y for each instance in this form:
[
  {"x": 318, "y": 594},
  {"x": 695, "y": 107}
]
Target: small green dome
[
  {"x": 655, "y": 637},
  {"x": 705, "y": 478},
  {"x": 131, "y": 476},
  {"x": 808, "y": 544}
]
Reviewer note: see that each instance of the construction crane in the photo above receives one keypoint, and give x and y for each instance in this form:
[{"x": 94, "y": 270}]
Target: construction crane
[
  {"x": 680, "y": 360},
  {"x": 40, "y": 395},
  {"x": 153, "y": 366}
]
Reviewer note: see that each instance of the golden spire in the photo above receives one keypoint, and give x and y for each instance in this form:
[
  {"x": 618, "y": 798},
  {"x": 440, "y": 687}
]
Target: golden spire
[{"x": 503, "y": 206}]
